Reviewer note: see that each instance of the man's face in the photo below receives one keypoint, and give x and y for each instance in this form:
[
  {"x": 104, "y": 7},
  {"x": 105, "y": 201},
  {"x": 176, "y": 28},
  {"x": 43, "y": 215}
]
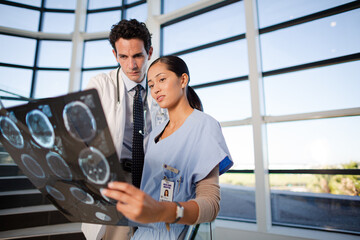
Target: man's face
[{"x": 132, "y": 57}]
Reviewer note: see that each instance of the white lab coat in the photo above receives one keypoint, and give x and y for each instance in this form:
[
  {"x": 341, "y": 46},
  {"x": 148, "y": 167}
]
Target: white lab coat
[{"x": 105, "y": 83}]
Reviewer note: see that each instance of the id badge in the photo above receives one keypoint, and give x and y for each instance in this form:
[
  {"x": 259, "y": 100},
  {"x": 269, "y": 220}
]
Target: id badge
[{"x": 166, "y": 191}]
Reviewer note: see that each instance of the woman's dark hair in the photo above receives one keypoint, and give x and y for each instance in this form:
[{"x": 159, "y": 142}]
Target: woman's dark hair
[
  {"x": 130, "y": 29},
  {"x": 178, "y": 66}
]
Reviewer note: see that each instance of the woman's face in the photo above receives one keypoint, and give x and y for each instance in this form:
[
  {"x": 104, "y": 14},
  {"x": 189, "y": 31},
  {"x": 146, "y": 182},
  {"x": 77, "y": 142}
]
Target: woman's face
[{"x": 166, "y": 88}]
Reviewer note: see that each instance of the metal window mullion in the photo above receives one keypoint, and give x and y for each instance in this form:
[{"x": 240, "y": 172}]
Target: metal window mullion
[
  {"x": 77, "y": 46},
  {"x": 262, "y": 188},
  {"x": 123, "y": 10},
  {"x": 37, "y": 49},
  {"x": 153, "y": 24}
]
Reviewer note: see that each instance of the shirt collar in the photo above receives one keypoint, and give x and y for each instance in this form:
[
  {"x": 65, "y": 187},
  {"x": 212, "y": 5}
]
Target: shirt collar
[{"x": 129, "y": 84}]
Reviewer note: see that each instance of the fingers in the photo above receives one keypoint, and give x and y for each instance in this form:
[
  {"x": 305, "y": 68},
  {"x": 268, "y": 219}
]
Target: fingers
[
  {"x": 114, "y": 194},
  {"x": 121, "y": 186},
  {"x": 123, "y": 192},
  {"x": 132, "y": 202}
]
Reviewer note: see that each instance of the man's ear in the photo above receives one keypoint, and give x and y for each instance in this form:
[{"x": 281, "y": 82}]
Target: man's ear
[
  {"x": 150, "y": 53},
  {"x": 184, "y": 80},
  {"x": 115, "y": 55}
]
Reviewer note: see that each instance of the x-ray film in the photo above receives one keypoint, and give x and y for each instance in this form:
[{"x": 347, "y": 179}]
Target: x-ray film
[{"x": 63, "y": 145}]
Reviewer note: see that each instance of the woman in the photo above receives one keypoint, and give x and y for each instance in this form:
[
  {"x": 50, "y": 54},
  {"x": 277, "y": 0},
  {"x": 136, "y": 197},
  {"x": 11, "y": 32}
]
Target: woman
[{"x": 183, "y": 161}]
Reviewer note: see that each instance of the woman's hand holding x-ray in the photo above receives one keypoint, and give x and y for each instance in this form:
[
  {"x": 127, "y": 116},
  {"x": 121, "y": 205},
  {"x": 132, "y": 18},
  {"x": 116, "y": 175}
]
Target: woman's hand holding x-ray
[{"x": 135, "y": 204}]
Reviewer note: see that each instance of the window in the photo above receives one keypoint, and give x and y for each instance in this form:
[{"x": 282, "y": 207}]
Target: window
[
  {"x": 317, "y": 89},
  {"x": 51, "y": 83},
  {"x": 138, "y": 12},
  {"x": 87, "y": 75},
  {"x": 98, "y": 54},
  {"x": 308, "y": 89},
  {"x": 181, "y": 35},
  {"x": 275, "y": 12},
  {"x": 20, "y": 18},
  {"x": 17, "y": 50},
  {"x": 234, "y": 104},
  {"x": 318, "y": 143},
  {"x": 95, "y": 4},
  {"x": 53, "y": 25},
  {"x": 64, "y": 4},
  {"x": 55, "y": 54},
  {"x": 15, "y": 80},
  {"x": 217, "y": 63},
  {"x": 172, "y": 5},
  {"x": 317, "y": 40},
  {"x": 102, "y": 21}
]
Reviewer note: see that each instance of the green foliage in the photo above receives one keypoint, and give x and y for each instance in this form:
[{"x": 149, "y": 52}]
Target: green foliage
[
  {"x": 319, "y": 183},
  {"x": 338, "y": 184}
]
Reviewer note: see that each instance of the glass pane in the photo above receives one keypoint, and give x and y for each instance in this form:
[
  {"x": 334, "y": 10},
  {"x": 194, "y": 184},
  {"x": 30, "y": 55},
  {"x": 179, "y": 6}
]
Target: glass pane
[
  {"x": 51, "y": 83},
  {"x": 172, "y": 5},
  {"x": 317, "y": 210},
  {"x": 98, "y": 54},
  {"x": 239, "y": 179},
  {"x": 313, "y": 143},
  {"x": 237, "y": 201},
  {"x": 15, "y": 80},
  {"x": 274, "y": 12},
  {"x": 63, "y": 4},
  {"x": 218, "y": 101},
  {"x": 231, "y": 56},
  {"x": 239, "y": 140},
  {"x": 36, "y": 3},
  {"x": 221, "y": 23},
  {"x": 58, "y": 22},
  {"x": 96, "y": 4},
  {"x": 17, "y": 50},
  {"x": 101, "y": 22},
  {"x": 319, "y": 89},
  {"x": 12, "y": 103},
  {"x": 21, "y": 18},
  {"x": 87, "y": 75},
  {"x": 321, "y": 39},
  {"x": 55, "y": 54},
  {"x": 319, "y": 183},
  {"x": 139, "y": 12}
]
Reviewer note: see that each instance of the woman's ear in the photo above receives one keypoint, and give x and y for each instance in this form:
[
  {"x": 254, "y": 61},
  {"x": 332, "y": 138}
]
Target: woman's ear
[{"x": 184, "y": 80}]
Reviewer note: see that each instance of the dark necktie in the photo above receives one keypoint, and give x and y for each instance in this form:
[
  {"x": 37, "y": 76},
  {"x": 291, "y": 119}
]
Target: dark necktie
[{"x": 138, "y": 139}]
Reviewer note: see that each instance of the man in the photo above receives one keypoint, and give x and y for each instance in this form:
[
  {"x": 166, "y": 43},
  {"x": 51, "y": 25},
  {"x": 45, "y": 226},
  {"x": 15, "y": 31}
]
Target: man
[{"x": 118, "y": 91}]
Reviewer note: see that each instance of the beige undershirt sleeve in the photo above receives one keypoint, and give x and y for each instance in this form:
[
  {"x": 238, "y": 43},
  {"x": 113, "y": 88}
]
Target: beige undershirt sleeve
[{"x": 208, "y": 197}]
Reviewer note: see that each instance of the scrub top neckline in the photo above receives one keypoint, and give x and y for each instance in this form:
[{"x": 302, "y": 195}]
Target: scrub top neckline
[{"x": 157, "y": 137}]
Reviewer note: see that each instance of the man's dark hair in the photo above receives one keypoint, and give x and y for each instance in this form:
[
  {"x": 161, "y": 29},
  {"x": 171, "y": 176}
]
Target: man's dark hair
[{"x": 130, "y": 29}]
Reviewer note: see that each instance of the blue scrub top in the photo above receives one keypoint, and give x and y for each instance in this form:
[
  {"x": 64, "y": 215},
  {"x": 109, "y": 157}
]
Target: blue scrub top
[{"x": 194, "y": 149}]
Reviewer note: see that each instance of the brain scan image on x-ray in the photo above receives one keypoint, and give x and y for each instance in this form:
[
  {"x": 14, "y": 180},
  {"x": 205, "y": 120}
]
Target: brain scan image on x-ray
[
  {"x": 32, "y": 166},
  {"x": 94, "y": 165},
  {"x": 58, "y": 165},
  {"x": 11, "y": 132},
  {"x": 79, "y": 121},
  {"x": 40, "y": 128},
  {"x": 102, "y": 216},
  {"x": 81, "y": 195},
  {"x": 64, "y": 146},
  {"x": 55, "y": 193}
]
